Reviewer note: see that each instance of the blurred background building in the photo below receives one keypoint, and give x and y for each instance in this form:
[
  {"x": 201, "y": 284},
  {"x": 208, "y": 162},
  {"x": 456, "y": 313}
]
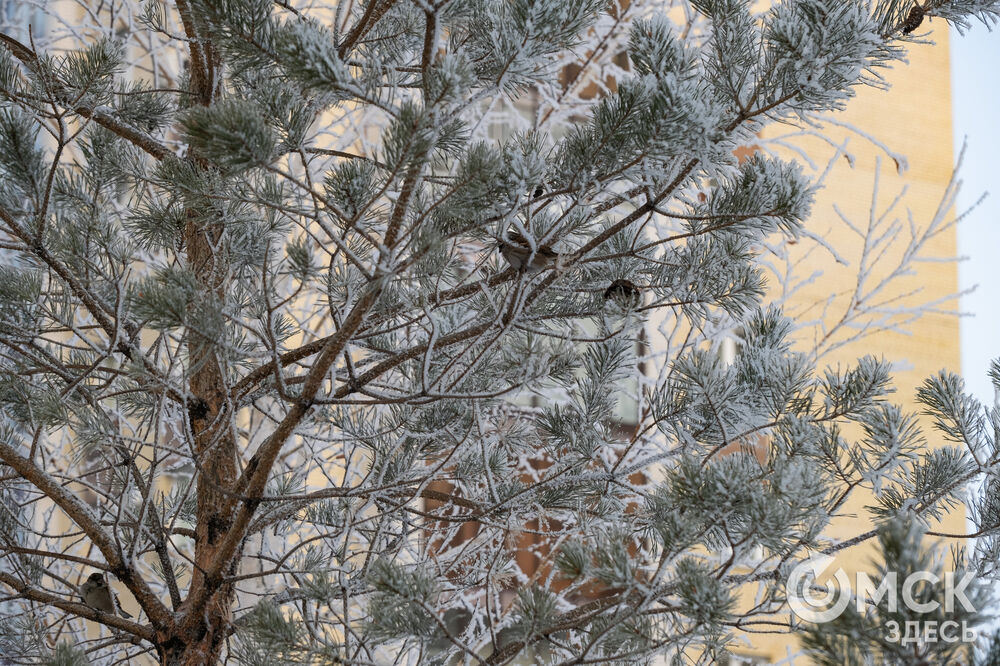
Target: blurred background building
[{"x": 895, "y": 175}]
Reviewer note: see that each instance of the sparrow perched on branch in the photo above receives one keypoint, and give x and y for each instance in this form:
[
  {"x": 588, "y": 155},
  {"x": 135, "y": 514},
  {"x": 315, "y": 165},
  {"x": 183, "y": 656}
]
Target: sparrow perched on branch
[
  {"x": 98, "y": 595},
  {"x": 516, "y": 249},
  {"x": 624, "y": 293}
]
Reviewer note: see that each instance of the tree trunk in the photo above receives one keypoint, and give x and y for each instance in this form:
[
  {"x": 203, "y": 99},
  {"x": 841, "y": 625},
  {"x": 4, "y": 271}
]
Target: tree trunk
[
  {"x": 203, "y": 645},
  {"x": 216, "y": 455},
  {"x": 201, "y": 638}
]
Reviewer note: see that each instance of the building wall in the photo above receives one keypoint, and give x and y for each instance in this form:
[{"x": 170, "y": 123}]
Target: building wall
[{"x": 912, "y": 118}]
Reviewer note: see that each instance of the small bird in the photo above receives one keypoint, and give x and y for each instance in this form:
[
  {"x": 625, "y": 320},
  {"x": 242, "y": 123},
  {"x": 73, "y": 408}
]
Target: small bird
[
  {"x": 96, "y": 594},
  {"x": 517, "y": 251},
  {"x": 624, "y": 293}
]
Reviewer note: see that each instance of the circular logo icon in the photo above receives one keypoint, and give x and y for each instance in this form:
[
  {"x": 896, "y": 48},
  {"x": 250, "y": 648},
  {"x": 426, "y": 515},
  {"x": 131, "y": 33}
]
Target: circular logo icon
[{"x": 804, "y": 598}]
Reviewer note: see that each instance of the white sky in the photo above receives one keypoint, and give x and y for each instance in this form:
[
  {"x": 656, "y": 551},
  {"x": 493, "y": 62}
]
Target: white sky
[{"x": 975, "y": 66}]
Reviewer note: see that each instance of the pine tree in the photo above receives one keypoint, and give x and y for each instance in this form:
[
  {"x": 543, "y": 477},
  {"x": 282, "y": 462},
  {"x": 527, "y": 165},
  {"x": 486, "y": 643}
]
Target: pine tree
[
  {"x": 317, "y": 320},
  {"x": 891, "y": 630}
]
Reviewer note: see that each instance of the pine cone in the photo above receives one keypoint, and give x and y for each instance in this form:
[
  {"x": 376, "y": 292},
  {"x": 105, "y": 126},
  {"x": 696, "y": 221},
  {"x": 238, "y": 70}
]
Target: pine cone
[
  {"x": 913, "y": 19},
  {"x": 624, "y": 293}
]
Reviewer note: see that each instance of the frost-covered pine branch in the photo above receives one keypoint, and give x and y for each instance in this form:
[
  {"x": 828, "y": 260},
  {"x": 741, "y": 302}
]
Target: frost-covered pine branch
[{"x": 389, "y": 332}]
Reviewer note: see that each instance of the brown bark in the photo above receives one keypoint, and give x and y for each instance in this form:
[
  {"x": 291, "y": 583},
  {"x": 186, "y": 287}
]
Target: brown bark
[{"x": 199, "y": 636}]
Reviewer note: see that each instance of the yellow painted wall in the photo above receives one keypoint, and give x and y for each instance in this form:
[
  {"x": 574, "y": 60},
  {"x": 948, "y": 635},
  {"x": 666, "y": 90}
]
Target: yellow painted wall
[{"x": 912, "y": 118}]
